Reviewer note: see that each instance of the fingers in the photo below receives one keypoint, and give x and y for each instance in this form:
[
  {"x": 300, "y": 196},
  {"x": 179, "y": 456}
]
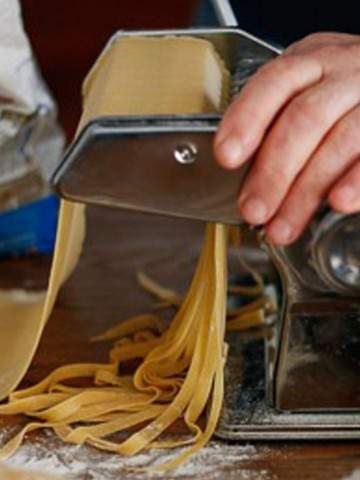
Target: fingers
[
  {"x": 338, "y": 153},
  {"x": 301, "y": 113},
  {"x": 247, "y": 119},
  {"x": 290, "y": 144},
  {"x": 321, "y": 39},
  {"x": 345, "y": 195}
]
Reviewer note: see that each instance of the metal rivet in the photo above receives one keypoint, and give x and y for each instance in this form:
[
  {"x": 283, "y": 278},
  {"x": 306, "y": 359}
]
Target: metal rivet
[{"x": 185, "y": 153}]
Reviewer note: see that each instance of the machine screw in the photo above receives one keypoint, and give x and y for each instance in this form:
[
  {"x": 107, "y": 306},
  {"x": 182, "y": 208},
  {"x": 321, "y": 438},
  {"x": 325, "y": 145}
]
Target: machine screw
[{"x": 185, "y": 153}]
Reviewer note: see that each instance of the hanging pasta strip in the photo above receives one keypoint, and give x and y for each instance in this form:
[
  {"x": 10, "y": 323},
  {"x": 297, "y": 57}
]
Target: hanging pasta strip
[
  {"x": 246, "y": 321},
  {"x": 174, "y": 341},
  {"x": 124, "y": 421},
  {"x": 168, "y": 297},
  {"x": 123, "y": 353},
  {"x": 139, "y": 440},
  {"x": 61, "y": 374},
  {"x": 83, "y": 402},
  {"x": 261, "y": 303},
  {"x": 32, "y": 404},
  {"x": 218, "y": 334},
  {"x": 130, "y": 326}
]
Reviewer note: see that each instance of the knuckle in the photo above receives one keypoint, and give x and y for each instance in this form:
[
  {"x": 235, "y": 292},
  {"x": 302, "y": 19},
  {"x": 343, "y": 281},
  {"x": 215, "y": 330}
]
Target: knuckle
[
  {"x": 330, "y": 54},
  {"x": 264, "y": 68},
  {"x": 277, "y": 68},
  {"x": 301, "y": 205},
  {"x": 316, "y": 38},
  {"x": 280, "y": 73},
  {"x": 285, "y": 64},
  {"x": 308, "y": 43},
  {"x": 303, "y": 113},
  {"x": 332, "y": 51},
  {"x": 311, "y": 37},
  {"x": 311, "y": 192},
  {"x": 308, "y": 192},
  {"x": 242, "y": 110},
  {"x": 345, "y": 138},
  {"x": 273, "y": 176},
  {"x": 287, "y": 72},
  {"x": 354, "y": 53}
]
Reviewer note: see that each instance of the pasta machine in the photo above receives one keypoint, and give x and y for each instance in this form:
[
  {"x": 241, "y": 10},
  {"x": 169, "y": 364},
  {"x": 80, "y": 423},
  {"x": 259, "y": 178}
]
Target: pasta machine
[{"x": 298, "y": 379}]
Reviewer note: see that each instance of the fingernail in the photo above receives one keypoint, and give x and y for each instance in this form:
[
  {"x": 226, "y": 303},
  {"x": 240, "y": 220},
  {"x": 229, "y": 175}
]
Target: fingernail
[
  {"x": 230, "y": 150},
  {"x": 254, "y": 210},
  {"x": 345, "y": 195},
  {"x": 280, "y": 231}
]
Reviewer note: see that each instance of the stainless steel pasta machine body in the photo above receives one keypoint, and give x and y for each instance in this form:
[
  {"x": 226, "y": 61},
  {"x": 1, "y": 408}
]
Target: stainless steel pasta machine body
[{"x": 300, "y": 377}]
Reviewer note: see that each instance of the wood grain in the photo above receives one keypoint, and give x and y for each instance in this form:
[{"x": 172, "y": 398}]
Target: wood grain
[{"x": 103, "y": 290}]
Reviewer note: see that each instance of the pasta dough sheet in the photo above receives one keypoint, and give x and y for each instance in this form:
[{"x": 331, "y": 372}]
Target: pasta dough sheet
[
  {"x": 23, "y": 316},
  {"x": 156, "y": 76}
]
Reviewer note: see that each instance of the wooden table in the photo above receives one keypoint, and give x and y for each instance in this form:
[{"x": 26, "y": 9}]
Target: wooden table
[{"x": 101, "y": 292}]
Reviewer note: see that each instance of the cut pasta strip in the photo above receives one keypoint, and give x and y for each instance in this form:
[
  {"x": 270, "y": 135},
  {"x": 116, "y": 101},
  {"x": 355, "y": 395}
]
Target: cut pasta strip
[
  {"x": 130, "y": 326},
  {"x": 246, "y": 321},
  {"x": 167, "y": 297}
]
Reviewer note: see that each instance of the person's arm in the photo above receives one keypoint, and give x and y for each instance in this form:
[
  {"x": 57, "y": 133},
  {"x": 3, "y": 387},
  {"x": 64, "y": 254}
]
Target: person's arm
[{"x": 300, "y": 116}]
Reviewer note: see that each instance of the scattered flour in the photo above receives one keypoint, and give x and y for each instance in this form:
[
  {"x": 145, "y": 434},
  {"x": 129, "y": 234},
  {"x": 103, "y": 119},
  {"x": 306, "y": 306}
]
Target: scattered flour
[
  {"x": 47, "y": 454},
  {"x": 355, "y": 475}
]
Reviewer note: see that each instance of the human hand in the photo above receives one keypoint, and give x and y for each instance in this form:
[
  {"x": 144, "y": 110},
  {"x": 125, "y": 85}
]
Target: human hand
[{"x": 300, "y": 114}]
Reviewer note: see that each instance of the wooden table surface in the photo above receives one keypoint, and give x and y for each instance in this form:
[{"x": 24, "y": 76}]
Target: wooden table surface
[{"x": 103, "y": 290}]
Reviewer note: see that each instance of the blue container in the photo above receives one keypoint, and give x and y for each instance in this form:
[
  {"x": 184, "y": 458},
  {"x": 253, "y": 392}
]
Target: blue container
[{"x": 30, "y": 228}]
